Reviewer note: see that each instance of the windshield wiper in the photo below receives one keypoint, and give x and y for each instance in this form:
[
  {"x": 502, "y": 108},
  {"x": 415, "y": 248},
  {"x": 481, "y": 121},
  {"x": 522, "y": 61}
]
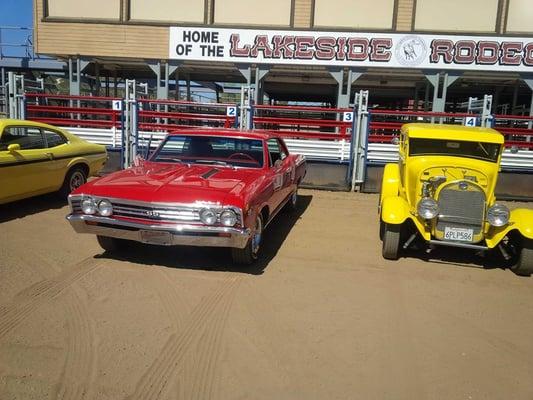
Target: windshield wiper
[
  {"x": 166, "y": 159},
  {"x": 216, "y": 162},
  {"x": 483, "y": 148}
]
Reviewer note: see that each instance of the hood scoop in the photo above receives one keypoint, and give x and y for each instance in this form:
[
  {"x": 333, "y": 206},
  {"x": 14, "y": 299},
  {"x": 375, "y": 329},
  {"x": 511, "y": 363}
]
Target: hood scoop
[{"x": 210, "y": 173}]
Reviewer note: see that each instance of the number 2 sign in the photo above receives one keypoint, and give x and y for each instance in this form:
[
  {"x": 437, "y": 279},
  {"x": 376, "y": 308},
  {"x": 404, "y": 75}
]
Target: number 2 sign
[{"x": 231, "y": 111}]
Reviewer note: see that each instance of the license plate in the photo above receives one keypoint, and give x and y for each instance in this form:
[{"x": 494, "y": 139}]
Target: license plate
[
  {"x": 458, "y": 234},
  {"x": 156, "y": 237}
]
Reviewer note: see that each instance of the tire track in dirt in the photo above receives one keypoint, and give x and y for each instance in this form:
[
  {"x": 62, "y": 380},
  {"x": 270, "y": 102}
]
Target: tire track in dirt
[
  {"x": 171, "y": 356},
  {"x": 32, "y": 298},
  {"x": 410, "y": 379},
  {"x": 80, "y": 363},
  {"x": 207, "y": 355},
  {"x": 177, "y": 308},
  {"x": 79, "y": 367},
  {"x": 171, "y": 299}
]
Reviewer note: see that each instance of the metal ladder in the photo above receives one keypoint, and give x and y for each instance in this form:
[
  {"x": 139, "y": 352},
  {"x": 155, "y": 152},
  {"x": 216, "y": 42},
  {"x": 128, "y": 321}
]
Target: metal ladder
[
  {"x": 246, "y": 120},
  {"x": 130, "y": 122},
  {"x": 480, "y": 107},
  {"x": 359, "y": 139},
  {"x": 15, "y": 90}
]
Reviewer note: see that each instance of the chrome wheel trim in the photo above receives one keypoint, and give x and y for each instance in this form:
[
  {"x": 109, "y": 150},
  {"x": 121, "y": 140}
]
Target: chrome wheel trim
[
  {"x": 76, "y": 180},
  {"x": 258, "y": 235}
]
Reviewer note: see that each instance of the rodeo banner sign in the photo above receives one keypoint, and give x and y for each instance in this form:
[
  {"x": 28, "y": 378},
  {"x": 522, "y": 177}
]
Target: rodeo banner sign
[{"x": 352, "y": 49}]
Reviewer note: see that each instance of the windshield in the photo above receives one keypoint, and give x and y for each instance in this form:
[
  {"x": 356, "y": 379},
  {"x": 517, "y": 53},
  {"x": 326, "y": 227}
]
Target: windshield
[
  {"x": 431, "y": 147},
  {"x": 236, "y": 152}
]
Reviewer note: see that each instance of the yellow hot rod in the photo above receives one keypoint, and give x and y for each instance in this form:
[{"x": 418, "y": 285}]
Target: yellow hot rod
[{"x": 442, "y": 191}]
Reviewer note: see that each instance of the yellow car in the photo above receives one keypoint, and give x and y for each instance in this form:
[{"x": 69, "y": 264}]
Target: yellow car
[
  {"x": 37, "y": 158},
  {"x": 441, "y": 192}
]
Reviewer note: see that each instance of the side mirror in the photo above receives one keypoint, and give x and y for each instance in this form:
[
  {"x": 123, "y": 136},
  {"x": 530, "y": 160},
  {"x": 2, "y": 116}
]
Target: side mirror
[
  {"x": 12, "y": 148},
  {"x": 138, "y": 160},
  {"x": 278, "y": 163},
  {"x": 395, "y": 140},
  {"x": 514, "y": 149}
]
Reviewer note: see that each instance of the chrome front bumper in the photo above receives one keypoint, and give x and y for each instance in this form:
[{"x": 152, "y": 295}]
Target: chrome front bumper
[{"x": 178, "y": 234}]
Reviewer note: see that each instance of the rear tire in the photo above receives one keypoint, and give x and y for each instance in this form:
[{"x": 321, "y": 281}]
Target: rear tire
[
  {"x": 391, "y": 241},
  {"x": 524, "y": 266},
  {"x": 110, "y": 244},
  {"x": 250, "y": 253},
  {"x": 76, "y": 177}
]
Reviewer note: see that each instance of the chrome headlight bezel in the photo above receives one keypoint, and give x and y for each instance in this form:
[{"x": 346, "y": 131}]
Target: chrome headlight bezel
[
  {"x": 105, "y": 208},
  {"x": 228, "y": 217},
  {"x": 88, "y": 206},
  {"x": 498, "y": 215},
  {"x": 427, "y": 208},
  {"x": 208, "y": 216}
]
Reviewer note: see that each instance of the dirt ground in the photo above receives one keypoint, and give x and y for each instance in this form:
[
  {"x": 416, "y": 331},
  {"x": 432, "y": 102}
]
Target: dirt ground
[{"x": 322, "y": 316}]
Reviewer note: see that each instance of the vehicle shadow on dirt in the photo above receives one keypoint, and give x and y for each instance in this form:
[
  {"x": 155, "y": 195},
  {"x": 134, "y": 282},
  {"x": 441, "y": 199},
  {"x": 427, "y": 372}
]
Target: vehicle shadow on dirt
[
  {"x": 33, "y": 205},
  {"x": 457, "y": 257},
  {"x": 214, "y": 259}
]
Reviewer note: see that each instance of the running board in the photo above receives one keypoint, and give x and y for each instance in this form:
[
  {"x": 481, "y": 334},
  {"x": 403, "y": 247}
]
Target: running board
[{"x": 458, "y": 244}]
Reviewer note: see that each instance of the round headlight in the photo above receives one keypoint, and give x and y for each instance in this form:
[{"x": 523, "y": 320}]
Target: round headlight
[
  {"x": 228, "y": 218},
  {"x": 498, "y": 215},
  {"x": 88, "y": 206},
  {"x": 208, "y": 216},
  {"x": 427, "y": 208},
  {"x": 105, "y": 209}
]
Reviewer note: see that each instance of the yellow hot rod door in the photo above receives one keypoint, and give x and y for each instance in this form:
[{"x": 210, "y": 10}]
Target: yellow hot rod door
[{"x": 25, "y": 166}]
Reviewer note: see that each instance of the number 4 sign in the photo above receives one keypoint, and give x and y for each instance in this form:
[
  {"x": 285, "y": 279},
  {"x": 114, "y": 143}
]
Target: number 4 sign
[{"x": 470, "y": 121}]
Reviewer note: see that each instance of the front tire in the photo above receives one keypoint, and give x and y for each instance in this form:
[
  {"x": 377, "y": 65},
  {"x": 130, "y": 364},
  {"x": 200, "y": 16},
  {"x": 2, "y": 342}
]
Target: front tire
[
  {"x": 524, "y": 266},
  {"x": 391, "y": 241},
  {"x": 110, "y": 244},
  {"x": 74, "y": 179},
  {"x": 250, "y": 253}
]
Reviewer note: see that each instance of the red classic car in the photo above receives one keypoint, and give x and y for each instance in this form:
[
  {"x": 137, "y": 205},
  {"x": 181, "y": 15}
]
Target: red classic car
[{"x": 200, "y": 187}]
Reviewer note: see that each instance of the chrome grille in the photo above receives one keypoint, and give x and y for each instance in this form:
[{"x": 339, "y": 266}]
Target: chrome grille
[
  {"x": 158, "y": 213},
  {"x": 461, "y": 205},
  {"x": 149, "y": 212}
]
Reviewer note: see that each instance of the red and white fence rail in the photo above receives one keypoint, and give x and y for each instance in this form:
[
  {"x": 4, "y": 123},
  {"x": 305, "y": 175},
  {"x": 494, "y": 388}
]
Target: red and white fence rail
[
  {"x": 319, "y": 133},
  {"x": 78, "y": 111},
  {"x": 162, "y": 115}
]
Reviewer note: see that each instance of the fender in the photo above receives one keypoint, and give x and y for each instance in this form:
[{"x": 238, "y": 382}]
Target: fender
[
  {"x": 90, "y": 161},
  {"x": 520, "y": 220},
  {"x": 395, "y": 210},
  {"x": 79, "y": 161},
  {"x": 390, "y": 184}
]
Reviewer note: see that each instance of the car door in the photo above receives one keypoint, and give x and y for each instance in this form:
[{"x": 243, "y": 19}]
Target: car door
[
  {"x": 25, "y": 169},
  {"x": 276, "y": 171},
  {"x": 58, "y": 150},
  {"x": 288, "y": 185}
]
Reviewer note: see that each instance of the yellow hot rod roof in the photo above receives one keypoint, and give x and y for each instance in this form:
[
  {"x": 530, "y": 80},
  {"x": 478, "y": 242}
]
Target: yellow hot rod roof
[{"x": 452, "y": 132}]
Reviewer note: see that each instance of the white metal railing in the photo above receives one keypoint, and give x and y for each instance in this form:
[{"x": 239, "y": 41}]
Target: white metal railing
[
  {"x": 321, "y": 150},
  {"x": 511, "y": 160}
]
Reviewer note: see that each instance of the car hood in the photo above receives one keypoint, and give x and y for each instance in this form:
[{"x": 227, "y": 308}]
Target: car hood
[
  {"x": 177, "y": 183},
  {"x": 482, "y": 173}
]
